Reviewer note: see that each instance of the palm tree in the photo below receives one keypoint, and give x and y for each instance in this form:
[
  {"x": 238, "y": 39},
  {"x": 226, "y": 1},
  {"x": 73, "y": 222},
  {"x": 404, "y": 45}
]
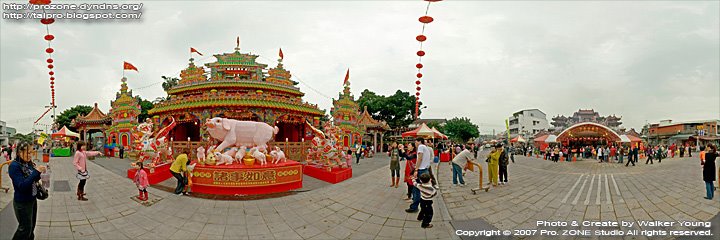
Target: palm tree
[{"x": 23, "y": 138}]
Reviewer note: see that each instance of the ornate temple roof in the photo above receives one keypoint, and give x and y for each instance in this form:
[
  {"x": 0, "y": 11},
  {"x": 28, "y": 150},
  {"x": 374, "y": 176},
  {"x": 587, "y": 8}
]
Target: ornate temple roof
[
  {"x": 367, "y": 121},
  {"x": 237, "y": 81},
  {"x": 125, "y": 108},
  {"x": 95, "y": 116},
  {"x": 345, "y": 110}
]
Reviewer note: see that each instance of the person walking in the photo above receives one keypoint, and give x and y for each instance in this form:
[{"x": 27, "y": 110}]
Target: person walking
[
  {"x": 80, "y": 162},
  {"x": 179, "y": 170},
  {"x": 709, "y": 170},
  {"x": 600, "y": 154},
  {"x": 459, "y": 163},
  {"x": 122, "y": 151},
  {"x": 24, "y": 175},
  {"x": 394, "y": 154},
  {"x": 358, "y": 154},
  {"x": 424, "y": 156},
  {"x": 503, "y": 163},
  {"x": 649, "y": 154}
]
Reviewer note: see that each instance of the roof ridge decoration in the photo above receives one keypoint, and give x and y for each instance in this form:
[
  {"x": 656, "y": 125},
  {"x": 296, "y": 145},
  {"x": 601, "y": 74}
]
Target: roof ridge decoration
[{"x": 94, "y": 115}]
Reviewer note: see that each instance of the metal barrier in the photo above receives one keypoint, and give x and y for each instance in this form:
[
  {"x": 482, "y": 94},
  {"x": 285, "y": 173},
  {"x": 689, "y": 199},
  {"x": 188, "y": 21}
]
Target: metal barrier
[
  {"x": 1, "y": 166},
  {"x": 480, "y": 185}
]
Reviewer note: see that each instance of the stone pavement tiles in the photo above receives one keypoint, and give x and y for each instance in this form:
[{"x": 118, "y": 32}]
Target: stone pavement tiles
[
  {"x": 360, "y": 208},
  {"x": 585, "y": 190}
]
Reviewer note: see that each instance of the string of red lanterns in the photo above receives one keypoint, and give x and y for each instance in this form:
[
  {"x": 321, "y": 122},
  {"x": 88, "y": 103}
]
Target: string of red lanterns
[
  {"x": 421, "y": 38},
  {"x": 49, "y": 50}
]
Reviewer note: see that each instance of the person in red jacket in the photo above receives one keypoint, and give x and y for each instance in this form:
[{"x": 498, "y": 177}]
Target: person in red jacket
[{"x": 410, "y": 155}]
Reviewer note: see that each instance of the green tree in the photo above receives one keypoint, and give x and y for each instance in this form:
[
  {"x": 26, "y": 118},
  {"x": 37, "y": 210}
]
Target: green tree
[
  {"x": 169, "y": 82},
  {"x": 397, "y": 109},
  {"x": 68, "y": 115},
  {"x": 24, "y": 138},
  {"x": 461, "y": 129},
  {"x": 145, "y": 106}
]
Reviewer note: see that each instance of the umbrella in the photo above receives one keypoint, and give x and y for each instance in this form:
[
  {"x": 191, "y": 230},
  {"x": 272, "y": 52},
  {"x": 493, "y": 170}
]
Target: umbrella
[
  {"x": 551, "y": 139},
  {"x": 64, "y": 132}
]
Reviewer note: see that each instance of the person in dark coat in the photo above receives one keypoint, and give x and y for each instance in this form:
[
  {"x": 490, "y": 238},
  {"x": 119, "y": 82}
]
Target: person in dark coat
[
  {"x": 24, "y": 175},
  {"x": 709, "y": 170}
]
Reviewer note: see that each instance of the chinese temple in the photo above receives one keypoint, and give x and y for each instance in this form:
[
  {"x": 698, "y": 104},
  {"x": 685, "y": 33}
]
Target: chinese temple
[
  {"x": 124, "y": 114},
  {"x": 561, "y": 122},
  {"x": 236, "y": 87},
  {"x": 373, "y": 128},
  {"x": 345, "y": 115},
  {"x": 94, "y": 121}
]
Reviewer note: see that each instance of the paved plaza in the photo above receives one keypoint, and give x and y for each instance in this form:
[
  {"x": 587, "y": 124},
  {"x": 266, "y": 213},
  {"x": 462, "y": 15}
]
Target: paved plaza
[{"x": 364, "y": 207}]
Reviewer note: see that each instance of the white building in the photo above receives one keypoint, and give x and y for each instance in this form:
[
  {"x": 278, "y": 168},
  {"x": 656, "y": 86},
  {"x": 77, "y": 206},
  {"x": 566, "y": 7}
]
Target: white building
[
  {"x": 527, "y": 123},
  {"x": 4, "y": 135}
]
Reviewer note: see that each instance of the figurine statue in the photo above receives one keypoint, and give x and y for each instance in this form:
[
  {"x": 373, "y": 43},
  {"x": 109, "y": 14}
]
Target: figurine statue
[
  {"x": 277, "y": 155},
  {"x": 223, "y": 158},
  {"x": 258, "y": 155},
  {"x": 201, "y": 155},
  {"x": 240, "y": 133}
]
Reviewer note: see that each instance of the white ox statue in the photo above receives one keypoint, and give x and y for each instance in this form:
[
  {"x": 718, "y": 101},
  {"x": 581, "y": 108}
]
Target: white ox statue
[{"x": 235, "y": 133}]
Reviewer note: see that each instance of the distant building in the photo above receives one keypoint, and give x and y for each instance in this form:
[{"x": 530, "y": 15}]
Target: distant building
[
  {"x": 527, "y": 123},
  {"x": 4, "y": 137},
  {"x": 562, "y": 122},
  {"x": 686, "y": 133}
]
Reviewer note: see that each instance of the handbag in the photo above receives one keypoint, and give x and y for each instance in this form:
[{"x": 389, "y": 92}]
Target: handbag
[
  {"x": 82, "y": 175},
  {"x": 42, "y": 192}
]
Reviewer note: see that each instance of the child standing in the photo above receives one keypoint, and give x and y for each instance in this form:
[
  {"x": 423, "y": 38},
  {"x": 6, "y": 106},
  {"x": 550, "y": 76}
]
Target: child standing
[
  {"x": 427, "y": 193},
  {"x": 141, "y": 181}
]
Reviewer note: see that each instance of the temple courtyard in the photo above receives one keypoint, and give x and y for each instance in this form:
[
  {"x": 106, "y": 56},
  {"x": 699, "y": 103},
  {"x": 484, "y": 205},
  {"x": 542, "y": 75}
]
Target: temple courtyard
[{"x": 364, "y": 207}]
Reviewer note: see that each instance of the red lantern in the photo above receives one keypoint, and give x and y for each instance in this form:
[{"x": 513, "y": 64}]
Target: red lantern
[
  {"x": 425, "y": 19},
  {"x": 417, "y": 88},
  {"x": 52, "y": 78},
  {"x": 50, "y": 66},
  {"x": 49, "y": 50},
  {"x": 417, "y": 94},
  {"x": 49, "y": 37},
  {"x": 421, "y": 53},
  {"x": 421, "y": 38},
  {"x": 47, "y": 21},
  {"x": 52, "y": 87},
  {"x": 419, "y": 75},
  {"x": 419, "y": 65},
  {"x": 49, "y": 60},
  {"x": 51, "y": 73},
  {"x": 52, "y": 82},
  {"x": 417, "y": 82}
]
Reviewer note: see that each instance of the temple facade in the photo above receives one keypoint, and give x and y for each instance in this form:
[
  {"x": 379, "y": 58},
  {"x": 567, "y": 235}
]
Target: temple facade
[
  {"x": 561, "y": 122},
  {"x": 345, "y": 116},
  {"x": 124, "y": 114},
  {"x": 236, "y": 87},
  {"x": 94, "y": 121}
]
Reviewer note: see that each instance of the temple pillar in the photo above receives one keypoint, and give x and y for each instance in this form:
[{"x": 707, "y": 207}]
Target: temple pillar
[
  {"x": 382, "y": 143},
  {"x": 375, "y": 140}
]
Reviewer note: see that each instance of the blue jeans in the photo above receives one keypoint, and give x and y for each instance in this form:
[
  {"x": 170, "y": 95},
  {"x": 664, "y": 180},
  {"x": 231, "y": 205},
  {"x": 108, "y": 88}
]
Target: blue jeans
[
  {"x": 416, "y": 191},
  {"x": 710, "y": 189},
  {"x": 457, "y": 173}
]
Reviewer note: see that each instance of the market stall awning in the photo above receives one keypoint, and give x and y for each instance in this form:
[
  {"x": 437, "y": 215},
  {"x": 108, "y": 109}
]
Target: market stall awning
[
  {"x": 624, "y": 138},
  {"x": 518, "y": 139},
  {"x": 422, "y": 131},
  {"x": 551, "y": 139},
  {"x": 64, "y": 132},
  {"x": 541, "y": 138},
  {"x": 442, "y": 136}
]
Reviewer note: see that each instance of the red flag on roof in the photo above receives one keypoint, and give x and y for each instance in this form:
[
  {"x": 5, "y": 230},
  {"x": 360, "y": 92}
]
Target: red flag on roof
[
  {"x": 128, "y": 66},
  {"x": 193, "y": 50},
  {"x": 281, "y": 55},
  {"x": 347, "y": 77}
]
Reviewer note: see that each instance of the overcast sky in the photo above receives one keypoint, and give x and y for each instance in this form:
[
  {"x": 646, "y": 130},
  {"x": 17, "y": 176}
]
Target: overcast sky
[{"x": 644, "y": 61}]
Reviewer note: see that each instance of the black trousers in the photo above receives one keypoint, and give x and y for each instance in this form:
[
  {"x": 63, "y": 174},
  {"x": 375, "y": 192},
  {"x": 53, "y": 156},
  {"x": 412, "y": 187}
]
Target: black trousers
[
  {"x": 81, "y": 185},
  {"x": 649, "y": 159},
  {"x": 426, "y": 212},
  {"x": 180, "y": 182},
  {"x": 26, "y": 215},
  {"x": 631, "y": 159},
  {"x": 121, "y": 154},
  {"x": 409, "y": 190},
  {"x": 503, "y": 173}
]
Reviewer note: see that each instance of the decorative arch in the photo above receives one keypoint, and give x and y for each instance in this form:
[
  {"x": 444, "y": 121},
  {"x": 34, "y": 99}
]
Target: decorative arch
[{"x": 588, "y": 129}]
